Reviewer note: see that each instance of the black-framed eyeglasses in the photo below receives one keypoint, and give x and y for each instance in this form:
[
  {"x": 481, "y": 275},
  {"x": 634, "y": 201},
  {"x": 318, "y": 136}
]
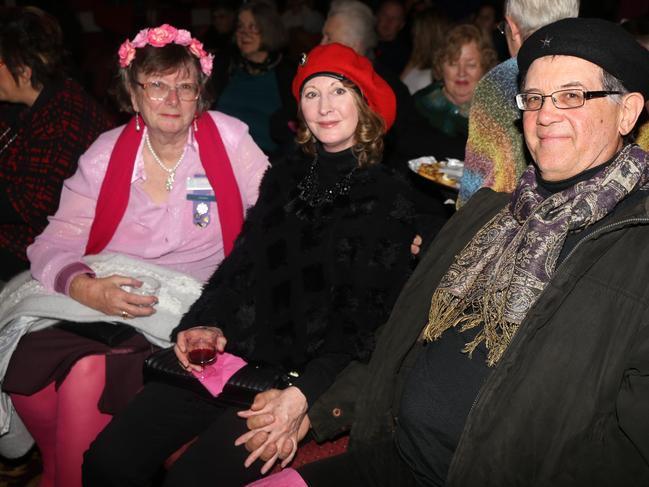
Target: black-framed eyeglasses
[
  {"x": 502, "y": 27},
  {"x": 563, "y": 99},
  {"x": 159, "y": 90}
]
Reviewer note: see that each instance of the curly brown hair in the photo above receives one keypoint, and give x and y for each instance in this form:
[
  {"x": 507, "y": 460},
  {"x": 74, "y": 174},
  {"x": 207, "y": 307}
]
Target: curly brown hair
[
  {"x": 160, "y": 60},
  {"x": 368, "y": 137},
  {"x": 457, "y": 37}
]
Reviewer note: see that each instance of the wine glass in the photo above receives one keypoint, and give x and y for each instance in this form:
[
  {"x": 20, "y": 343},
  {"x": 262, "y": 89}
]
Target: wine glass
[{"x": 201, "y": 345}]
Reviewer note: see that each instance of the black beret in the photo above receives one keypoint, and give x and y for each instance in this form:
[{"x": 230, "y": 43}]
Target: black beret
[{"x": 599, "y": 41}]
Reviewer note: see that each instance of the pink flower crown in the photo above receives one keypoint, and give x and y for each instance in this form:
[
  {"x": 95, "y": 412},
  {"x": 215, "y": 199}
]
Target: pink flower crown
[{"x": 161, "y": 36}]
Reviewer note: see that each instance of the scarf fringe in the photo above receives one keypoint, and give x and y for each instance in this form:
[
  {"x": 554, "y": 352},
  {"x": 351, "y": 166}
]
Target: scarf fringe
[{"x": 448, "y": 311}]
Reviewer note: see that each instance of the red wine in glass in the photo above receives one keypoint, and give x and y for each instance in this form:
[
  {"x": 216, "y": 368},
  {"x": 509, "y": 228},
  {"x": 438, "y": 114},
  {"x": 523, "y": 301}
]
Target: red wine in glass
[{"x": 202, "y": 356}]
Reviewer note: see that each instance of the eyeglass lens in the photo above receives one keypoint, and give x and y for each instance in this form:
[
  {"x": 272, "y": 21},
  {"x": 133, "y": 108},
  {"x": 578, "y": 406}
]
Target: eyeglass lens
[
  {"x": 560, "y": 99},
  {"x": 252, "y": 28},
  {"x": 158, "y": 90}
]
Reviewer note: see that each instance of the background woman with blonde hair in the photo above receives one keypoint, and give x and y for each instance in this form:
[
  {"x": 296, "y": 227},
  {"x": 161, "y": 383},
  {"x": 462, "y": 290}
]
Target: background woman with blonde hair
[{"x": 429, "y": 31}]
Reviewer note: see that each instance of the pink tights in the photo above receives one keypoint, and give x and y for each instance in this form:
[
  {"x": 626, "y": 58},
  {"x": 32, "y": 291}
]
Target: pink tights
[{"x": 65, "y": 422}]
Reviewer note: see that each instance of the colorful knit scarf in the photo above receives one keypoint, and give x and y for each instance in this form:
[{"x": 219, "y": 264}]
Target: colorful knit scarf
[
  {"x": 116, "y": 187},
  {"x": 501, "y": 272}
]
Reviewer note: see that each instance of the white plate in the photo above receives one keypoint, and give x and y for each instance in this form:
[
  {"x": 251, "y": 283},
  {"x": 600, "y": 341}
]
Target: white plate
[{"x": 449, "y": 170}]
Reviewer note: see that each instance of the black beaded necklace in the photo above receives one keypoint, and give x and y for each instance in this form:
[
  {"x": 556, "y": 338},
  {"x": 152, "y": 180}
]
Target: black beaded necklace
[{"x": 314, "y": 195}]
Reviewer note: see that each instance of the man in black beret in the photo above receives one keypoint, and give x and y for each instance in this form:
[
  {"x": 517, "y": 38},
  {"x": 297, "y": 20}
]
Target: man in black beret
[{"x": 518, "y": 352}]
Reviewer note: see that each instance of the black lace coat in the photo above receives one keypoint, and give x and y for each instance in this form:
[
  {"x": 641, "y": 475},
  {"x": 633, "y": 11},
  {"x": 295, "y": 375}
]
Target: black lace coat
[{"x": 309, "y": 279}]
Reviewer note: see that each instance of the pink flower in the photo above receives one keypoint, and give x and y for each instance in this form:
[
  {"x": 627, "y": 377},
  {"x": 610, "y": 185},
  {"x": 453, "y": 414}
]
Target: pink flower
[
  {"x": 206, "y": 64},
  {"x": 126, "y": 53},
  {"x": 183, "y": 38},
  {"x": 140, "y": 39},
  {"x": 196, "y": 48},
  {"x": 161, "y": 36}
]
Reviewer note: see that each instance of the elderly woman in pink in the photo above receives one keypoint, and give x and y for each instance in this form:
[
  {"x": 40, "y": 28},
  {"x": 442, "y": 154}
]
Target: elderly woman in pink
[{"x": 166, "y": 193}]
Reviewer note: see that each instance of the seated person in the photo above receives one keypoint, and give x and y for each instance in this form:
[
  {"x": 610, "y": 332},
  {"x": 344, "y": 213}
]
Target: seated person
[
  {"x": 46, "y": 122},
  {"x": 130, "y": 196},
  {"x": 253, "y": 84},
  {"x": 321, "y": 258},
  {"x": 459, "y": 64},
  {"x": 429, "y": 29},
  {"x": 518, "y": 352},
  {"x": 494, "y": 115}
]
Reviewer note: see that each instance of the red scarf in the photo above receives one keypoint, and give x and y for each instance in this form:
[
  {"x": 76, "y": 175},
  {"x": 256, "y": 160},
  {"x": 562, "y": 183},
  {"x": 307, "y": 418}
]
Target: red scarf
[{"x": 116, "y": 187}]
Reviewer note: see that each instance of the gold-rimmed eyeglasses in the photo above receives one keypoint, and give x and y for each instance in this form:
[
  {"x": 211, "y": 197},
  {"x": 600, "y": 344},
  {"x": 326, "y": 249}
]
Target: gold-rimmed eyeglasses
[
  {"x": 563, "y": 99},
  {"x": 159, "y": 90}
]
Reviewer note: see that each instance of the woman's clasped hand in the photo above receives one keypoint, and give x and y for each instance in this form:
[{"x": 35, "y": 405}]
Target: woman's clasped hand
[{"x": 284, "y": 415}]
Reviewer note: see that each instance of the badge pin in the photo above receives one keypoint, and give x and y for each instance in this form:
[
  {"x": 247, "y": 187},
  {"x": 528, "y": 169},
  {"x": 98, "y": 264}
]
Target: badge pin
[{"x": 201, "y": 214}]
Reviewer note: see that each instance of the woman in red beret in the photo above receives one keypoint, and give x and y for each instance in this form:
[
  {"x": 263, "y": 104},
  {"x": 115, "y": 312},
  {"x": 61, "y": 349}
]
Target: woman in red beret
[{"x": 317, "y": 267}]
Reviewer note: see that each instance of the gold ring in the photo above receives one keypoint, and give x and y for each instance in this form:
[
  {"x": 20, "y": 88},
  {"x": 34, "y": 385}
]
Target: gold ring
[{"x": 124, "y": 314}]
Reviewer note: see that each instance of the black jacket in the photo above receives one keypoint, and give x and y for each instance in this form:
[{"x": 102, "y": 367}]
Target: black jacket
[
  {"x": 306, "y": 287},
  {"x": 568, "y": 402}
]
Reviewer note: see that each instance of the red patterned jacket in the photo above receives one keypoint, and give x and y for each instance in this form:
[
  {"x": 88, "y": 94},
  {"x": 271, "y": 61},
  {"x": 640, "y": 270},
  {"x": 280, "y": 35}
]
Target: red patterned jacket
[{"x": 38, "y": 150}]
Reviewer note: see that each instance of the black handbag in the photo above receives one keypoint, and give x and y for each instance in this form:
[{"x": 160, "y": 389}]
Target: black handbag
[
  {"x": 240, "y": 390},
  {"x": 108, "y": 333}
]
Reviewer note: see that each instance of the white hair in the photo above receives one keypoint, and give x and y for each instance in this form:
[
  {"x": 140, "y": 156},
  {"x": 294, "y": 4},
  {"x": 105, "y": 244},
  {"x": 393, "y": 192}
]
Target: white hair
[
  {"x": 531, "y": 15},
  {"x": 359, "y": 21}
]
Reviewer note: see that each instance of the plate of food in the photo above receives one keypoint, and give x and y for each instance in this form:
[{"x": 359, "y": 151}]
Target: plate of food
[{"x": 447, "y": 172}]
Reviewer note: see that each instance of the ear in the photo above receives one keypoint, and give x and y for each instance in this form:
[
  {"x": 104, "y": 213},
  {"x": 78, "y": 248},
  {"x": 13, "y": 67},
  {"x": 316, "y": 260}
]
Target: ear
[
  {"x": 514, "y": 39},
  {"x": 631, "y": 107},
  {"x": 134, "y": 101},
  {"x": 25, "y": 76}
]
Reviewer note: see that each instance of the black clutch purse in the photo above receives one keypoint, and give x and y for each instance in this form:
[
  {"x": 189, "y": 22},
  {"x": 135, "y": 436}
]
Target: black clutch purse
[
  {"x": 240, "y": 390},
  {"x": 111, "y": 334}
]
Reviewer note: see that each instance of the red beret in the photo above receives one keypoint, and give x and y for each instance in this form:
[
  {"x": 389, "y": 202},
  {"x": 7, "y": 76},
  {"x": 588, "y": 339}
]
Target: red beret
[{"x": 337, "y": 60}]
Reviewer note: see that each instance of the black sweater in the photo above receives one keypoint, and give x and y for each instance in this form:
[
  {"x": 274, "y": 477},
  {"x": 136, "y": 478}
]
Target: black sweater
[{"x": 306, "y": 286}]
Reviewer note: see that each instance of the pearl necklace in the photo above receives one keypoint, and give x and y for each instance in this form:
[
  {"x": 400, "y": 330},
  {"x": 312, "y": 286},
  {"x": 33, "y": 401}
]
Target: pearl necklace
[{"x": 171, "y": 173}]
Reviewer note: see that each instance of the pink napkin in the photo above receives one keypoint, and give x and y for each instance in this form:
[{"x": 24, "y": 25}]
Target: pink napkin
[
  {"x": 216, "y": 375},
  {"x": 284, "y": 478}
]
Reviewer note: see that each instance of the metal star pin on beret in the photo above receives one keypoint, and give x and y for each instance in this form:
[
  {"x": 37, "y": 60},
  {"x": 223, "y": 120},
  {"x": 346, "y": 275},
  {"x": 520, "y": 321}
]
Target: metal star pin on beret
[
  {"x": 601, "y": 42},
  {"x": 303, "y": 58}
]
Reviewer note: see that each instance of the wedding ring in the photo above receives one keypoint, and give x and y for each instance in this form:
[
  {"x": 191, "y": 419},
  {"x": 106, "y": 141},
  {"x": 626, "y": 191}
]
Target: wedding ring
[{"x": 124, "y": 314}]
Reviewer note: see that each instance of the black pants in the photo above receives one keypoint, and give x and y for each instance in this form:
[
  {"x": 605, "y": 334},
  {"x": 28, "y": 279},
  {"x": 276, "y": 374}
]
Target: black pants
[
  {"x": 377, "y": 466},
  {"x": 161, "y": 418}
]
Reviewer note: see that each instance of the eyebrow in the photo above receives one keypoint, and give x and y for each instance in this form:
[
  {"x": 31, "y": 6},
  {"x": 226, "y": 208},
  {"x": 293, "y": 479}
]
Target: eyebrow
[
  {"x": 333, "y": 82},
  {"x": 565, "y": 86}
]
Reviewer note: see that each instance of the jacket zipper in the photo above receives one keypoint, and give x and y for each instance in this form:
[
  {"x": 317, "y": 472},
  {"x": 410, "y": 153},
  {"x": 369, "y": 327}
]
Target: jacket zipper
[{"x": 599, "y": 231}]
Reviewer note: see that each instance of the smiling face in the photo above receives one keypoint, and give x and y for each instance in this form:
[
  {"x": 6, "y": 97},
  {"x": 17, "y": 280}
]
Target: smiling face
[
  {"x": 564, "y": 143},
  {"x": 248, "y": 36},
  {"x": 169, "y": 117},
  {"x": 461, "y": 75},
  {"x": 329, "y": 110}
]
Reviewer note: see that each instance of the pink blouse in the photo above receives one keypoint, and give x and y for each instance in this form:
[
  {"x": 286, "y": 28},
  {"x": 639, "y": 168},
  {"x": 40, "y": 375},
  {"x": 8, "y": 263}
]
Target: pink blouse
[{"x": 164, "y": 234}]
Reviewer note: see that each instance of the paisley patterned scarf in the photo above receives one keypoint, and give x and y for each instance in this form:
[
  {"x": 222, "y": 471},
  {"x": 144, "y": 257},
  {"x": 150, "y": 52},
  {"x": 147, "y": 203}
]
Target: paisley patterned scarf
[{"x": 501, "y": 272}]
